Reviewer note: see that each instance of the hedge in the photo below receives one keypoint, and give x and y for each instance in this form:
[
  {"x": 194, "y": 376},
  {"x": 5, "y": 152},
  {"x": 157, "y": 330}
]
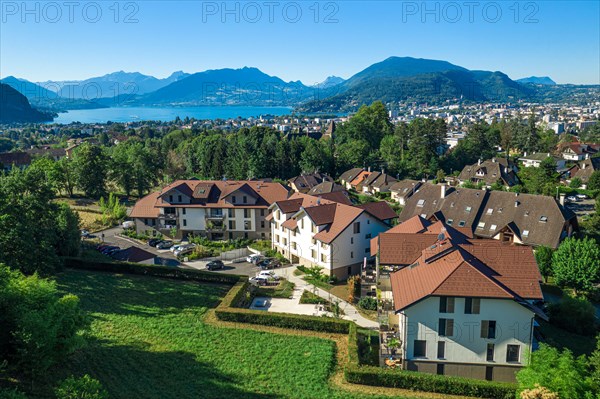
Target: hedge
[
  {"x": 418, "y": 381},
  {"x": 152, "y": 270},
  {"x": 283, "y": 320}
]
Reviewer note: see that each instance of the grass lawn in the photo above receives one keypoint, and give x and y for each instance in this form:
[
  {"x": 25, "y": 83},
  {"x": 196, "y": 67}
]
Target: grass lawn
[
  {"x": 284, "y": 289},
  {"x": 148, "y": 340}
]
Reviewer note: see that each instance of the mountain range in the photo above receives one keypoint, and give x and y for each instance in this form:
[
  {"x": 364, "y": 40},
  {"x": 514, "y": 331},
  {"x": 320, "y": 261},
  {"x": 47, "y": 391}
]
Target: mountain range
[
  {"x": 392, "y": 80},
  {"x": 14, "y": 107}
]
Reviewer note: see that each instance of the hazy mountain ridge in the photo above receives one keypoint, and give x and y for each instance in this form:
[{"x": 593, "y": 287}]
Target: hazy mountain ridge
[
  {"x": 540, "y": 80},
  {"x": 15, "y": 108}
]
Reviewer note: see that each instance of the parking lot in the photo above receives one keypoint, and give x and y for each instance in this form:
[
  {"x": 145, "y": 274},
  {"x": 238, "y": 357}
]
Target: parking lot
[{"x": 582, "y": 207}]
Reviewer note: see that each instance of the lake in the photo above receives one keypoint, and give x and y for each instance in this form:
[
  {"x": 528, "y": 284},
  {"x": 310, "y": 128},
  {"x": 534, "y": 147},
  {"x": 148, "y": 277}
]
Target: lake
[{"x": 134, "y": 114}]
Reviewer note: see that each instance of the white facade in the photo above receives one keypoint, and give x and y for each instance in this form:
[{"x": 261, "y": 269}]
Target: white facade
[{"x": 465, "y": 344}]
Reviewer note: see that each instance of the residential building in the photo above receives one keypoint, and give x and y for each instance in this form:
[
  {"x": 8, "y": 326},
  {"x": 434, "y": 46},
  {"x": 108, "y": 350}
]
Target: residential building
[
  {"x": 219, "y": 210},
  {"x": 535, "y": 160},
  {"x": 403, "y": 189},
  {"x": 462, "y": 307},
  {"x": 504, "y": 216},
  {"x": 375, "y": 182},
  {"x": 9, "y": 160},
  {"x": 304, "y": 183},
  {"x": 351, "y": 178},
  {"x": 326, "y": 188},
  {"x": 313, "y": 231},
  {"x": 489, "y": 172},
  {"x": 583, "y": 170},
  {"x": 578, "y": 151}
]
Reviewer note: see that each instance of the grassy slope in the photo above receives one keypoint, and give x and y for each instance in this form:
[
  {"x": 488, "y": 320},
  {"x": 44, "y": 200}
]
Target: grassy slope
[{"x": 148, "y": 340}]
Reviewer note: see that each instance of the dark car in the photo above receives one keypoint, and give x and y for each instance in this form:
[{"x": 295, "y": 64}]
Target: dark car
[
  {"x": 164, "y": 244},
  {"x": 214, "y": 265},
  {"x": 110, "y": 250},
  {"x": 154, "y": 241},
  {"x": 269, "y": 263}
]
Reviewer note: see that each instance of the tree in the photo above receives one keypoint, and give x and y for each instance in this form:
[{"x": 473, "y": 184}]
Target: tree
[
  {"x": 39, "y": 325},
  {"x": 81, "y": 388},
  {"x": 313, "y": 158},
  {"x": 576, "y": 264},
  {"x": 63, "y": 174},
  {"x": 576, "y": 315},
  {"x": 594, "y": 181},
  {"x": 543, "y": 256},
  {"x": 371, "y": 123},
  {"x": 90, "y": 165},
  {"x": 575, "y": 182},
  {"x": 558, "y": 371}
]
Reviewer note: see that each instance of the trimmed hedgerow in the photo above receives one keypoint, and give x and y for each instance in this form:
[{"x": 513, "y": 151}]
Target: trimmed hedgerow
[{"x": 152, "y": 270}]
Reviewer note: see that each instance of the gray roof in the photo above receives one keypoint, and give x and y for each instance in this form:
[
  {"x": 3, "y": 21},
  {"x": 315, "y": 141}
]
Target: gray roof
[
  {"x": 404, "y": 188},
  {"x": 326, "y": 187},
  {"x": 534, "y": 219},
  {"x": 349, "y": 175},
  {"x": 538, "y": 156},
  {"x": 491, "y": 171},
  {"x": 378, "y": 179},
  {"x": 586, "y": 168}
]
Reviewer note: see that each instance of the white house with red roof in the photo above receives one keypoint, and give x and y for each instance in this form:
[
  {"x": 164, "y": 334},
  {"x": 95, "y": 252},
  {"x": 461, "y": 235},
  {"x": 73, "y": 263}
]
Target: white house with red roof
[{"x": 314, "y": 231}]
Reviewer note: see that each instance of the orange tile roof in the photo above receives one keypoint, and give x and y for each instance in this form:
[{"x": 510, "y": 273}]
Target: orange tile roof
[{"x": 145, "y": 207}]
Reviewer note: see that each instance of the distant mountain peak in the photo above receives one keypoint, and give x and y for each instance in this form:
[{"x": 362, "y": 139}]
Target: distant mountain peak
[
  {"x": 329, "y": 82},
  {"x": 540, "y": 80}
]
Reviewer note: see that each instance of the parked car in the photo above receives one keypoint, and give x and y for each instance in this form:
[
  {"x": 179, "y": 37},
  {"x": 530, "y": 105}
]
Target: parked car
[
  {"x": 176, "y": 247},
  {"x": 111, "y": 251},
  {"x": 214, "y": 265},
  {"x": 108, "y": 248},
  {"x": 572, "y": 198},
  {"x": 254, "y": 258},
  {"x": 85, "y": 234},
  {"x": 582, "y": 196},
  {"x": 153, "y": 241},
  {"x": 128, "y": 224},
  {"x": 258, "y": 280},
  {"x": 268, "y": 274},
  {"x": 269, "y": 263},
  {"x": 164, "y": 244},
  {"x": 185, "y": 249}
]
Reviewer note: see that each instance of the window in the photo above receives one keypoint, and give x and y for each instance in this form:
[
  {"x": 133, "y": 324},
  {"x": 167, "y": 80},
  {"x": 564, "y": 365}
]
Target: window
[
  {"x": 421, "y": 202},
  {"x": 419, "y": 348},
  {"x": 284, "y": 241},
  {"x": 276, "y": 238},
  {"x": 462, "y": 223},
  {"x": 489, "y": 373},
  {"x": 446, "y": 327},
  {"x": 357, "y": 228},
  {"x": 313, "y": 254},
  {"x": 233, "y": 199},
  {"x": 232, "y": 225},
  {"x": 352, "y": 255},
  {"x": 525, "y": 233},
  {"x": 440, "y": 369},
  {"x": 446, "y": 304},
  {"x": 493, "y": 227},
  {"x": 468, "y": 209},
  {"x": 323, "y": 245},
  {"x": 351, "y": 240},
  {"x": 449, "y": 222},
  {"x": 262, "y": 212},
  {"x": 490, "y": 211},
  {"x": 262, "y": 224},
  {"x": 246, "y": 213},
  {"x": 245, "y": 199},
  {"x": 247, "y": 225},
  {"x": 472, "y": 305},
  {"x": 367, "y": 250},
  {"x": 512, "y": 353},
  {"x": 488, "y": 329},
  {"x": 179, "y": 198},
  {"x": 230, "y": 235},
  {"x": 170, "y": 198},
  {"x": 543, "y": 219},
  {"x": 230, "y": 213},
  {"x": 367, "y": 236},
  {"x": 481, "y": 225},
  {"x": 277, "y": 215},
  {"x": 441, "y": 350},
  {"x": 293, "y": 244},
  {"x": 490, "y": 353},
  {"x": 323, "y": 258},
  {"x": 301, "y": 223},
  {"x": 183, "y": 210},
  {"x": 184, "y": 222}
]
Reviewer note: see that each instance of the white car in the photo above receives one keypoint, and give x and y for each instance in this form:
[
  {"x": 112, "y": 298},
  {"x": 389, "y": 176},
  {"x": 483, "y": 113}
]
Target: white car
[
  {"x": 581, "y": 196},
  {"x": 572, "y": 198},
  {"x": 258, "y": 280},
  {"x": 268, "y": 274},
  {"x": 185, "y": 249},
  {"x": 254, "y": 258},
  {"x": 176, "y": 247}
]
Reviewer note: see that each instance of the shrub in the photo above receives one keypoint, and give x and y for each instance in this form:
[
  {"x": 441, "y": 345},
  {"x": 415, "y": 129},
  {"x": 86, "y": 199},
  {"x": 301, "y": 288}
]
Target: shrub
[
  {"x": 368, "y": 303},
  {"x": 11, "y": 394},
  {"x": 81, "y": 388},
  {"x": 152, "y": 270},
  {"x": 575, "y": 315}
]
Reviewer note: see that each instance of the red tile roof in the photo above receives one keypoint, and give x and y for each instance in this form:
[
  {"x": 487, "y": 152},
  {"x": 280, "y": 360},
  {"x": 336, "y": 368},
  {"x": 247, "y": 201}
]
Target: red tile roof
[
  {"x": 381, "y": 210},
  {"x": 145, "y": 207}
]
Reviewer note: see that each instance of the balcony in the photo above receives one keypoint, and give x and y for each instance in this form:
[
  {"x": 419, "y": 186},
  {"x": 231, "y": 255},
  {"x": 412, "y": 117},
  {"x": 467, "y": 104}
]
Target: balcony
[
  {"x": 168, "y": 216},
  {"x": 215, "y": 216},
  {"x": 215, "y": 227}
]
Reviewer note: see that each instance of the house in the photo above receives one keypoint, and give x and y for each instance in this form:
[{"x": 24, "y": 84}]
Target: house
[
  {"x": 504, "y": 216},
  {"x": 462, "y": 307},
  {"x": 219, "y": 210},
  {"x": 583, "y": 170},
  {"x": 46, "y": 151},
  {"x": 305, "y": 182},
  {"x": 327, "y": 187},
  {"x": 489, "y": 172},
  {"x": 402, "y": 190},
  {"x": 375, "y": 182},
  {"x": 578, "y": 151},
  {"x": 535, "y": 160},
  {"x": 353, "y": 175},
  {"x": 9, "y": 160},
  {"x": 334, "y": 236}
]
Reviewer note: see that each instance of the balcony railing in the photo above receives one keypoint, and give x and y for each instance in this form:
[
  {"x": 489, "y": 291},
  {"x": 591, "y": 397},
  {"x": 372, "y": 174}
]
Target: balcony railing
[
  {"x": 168, "y": 216},
  {"x": 215, "y": 216}
]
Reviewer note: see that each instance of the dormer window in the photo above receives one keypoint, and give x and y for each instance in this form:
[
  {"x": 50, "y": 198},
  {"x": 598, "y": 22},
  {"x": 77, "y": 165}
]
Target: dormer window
[
  {"x": 449, "y": 222},
  {"x": 525, "y": 233},
  {"x": 543, "y": 219},
  {"x": 490, "y": 211},
  {"x": 468, "y": 209},
  {"x": 421, "y": 202},
  {"x": 493, "y": 227},
  {"x": 481, "y": 225},
  {"x": 462, "y": 223}
]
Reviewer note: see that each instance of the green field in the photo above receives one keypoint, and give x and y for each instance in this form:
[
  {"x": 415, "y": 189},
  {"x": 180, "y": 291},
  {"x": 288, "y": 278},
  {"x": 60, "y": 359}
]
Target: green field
[{"x": 148, "y": 340}]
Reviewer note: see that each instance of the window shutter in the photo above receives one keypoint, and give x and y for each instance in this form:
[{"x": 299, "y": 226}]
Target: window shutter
[
  {"x": 484, "y": 329},
  {"x": 476, "y": 305},
  {"x": 450, "y": 327},
  {"x": 450, "y": 306}
]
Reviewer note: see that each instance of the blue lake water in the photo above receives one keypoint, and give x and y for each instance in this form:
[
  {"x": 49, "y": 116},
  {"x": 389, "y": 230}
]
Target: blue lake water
[{"x": 134, "y": 114}]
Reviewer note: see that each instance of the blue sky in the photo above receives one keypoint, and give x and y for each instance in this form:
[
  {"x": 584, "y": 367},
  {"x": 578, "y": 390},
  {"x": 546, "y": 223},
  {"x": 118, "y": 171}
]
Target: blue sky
[{"x": 302, "y": 40}]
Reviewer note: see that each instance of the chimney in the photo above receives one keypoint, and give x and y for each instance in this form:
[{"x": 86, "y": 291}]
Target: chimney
[
  {"x": 369, "y": 169},
  {"x": 562, "y": 199},
  {"x": 525, "y": 154},
  {"x": 516, "y": 204},
  {"x": 443, "y": 191},
  {"x": 494, "y": 160},
  {"x": 479, "y": 161}
]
